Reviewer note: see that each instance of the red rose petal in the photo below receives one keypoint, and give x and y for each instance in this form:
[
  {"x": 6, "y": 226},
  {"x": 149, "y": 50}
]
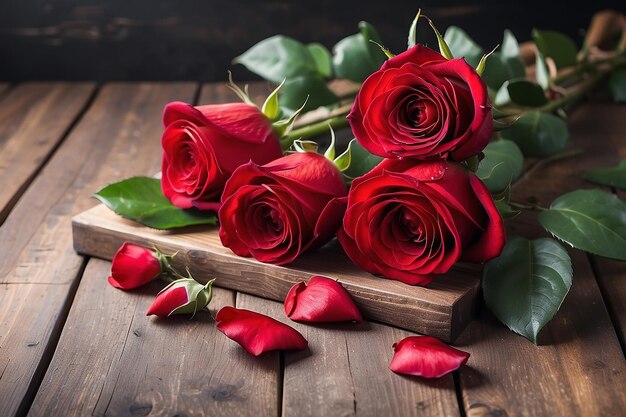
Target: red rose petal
[
  {"x": 168, "y": 301},
  {"x": 426, "y": 356},
  {"x": 323, "y": 300},
  {"x": 256, "y": 332}
]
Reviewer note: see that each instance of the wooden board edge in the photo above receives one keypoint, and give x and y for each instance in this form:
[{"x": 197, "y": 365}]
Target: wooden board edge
[{"x": 445, "y": 322}]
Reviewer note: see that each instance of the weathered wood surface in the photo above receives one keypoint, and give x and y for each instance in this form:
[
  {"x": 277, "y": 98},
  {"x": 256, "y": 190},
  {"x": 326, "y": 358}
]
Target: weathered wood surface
[
  {"x": 39, "y": 269},
  {"x": 344, "y": 372},
  {"x": 34, "y": 118},
  {"x": 578, "y": 364},
  {"x": 113, "y": 360},
  {"x": 101, "y": 355}
]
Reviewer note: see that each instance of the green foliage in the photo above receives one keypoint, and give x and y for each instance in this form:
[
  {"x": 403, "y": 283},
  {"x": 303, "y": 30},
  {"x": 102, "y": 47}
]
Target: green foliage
[
  {"x": 557, "y": 46},
  {"x": 525, "y": 286},
  {"x": 520, "y": 92},
  {"x": 501, "y": 165},
  {"x": 617, "y": 85},
  {"x": 140, "y": 199},
  {"x": 591, "y": 220},
  {"x": 538, "y": 134},
  {"x": 322, "y": 58},
  {"x": 298, "y": 89},
  {"x": 505, "y": 64},
  {"x": 612, "y": 177},
  {"x": 279, "y": 57},
  {"x": 461, "y": 45},
  {"x": 355, "y": 57}
]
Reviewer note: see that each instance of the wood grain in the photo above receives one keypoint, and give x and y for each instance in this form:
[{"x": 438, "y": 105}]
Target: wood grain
[
  {"x": 39, "y": 269},
  {"x": 578, "y": 364},
  {"x": 442, "y": 310},
  {"x": 344, "y": 372},
  {"x": 113, "y": 360},
  {"x": 34, "y": 118}
]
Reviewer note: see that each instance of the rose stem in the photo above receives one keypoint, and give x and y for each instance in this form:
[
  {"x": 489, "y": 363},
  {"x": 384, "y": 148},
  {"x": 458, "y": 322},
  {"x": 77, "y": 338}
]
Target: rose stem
[{"x": 314, "y": 129}]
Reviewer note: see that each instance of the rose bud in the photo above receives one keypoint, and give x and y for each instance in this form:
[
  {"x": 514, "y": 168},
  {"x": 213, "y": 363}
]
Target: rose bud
[
  {"x": 258, "y": 333},
  {"x": 407, "y": 221},
  {"x": 134, "y": 266},
  {"x": 183, "y": 296},
  {"x": 279, "y": 210},
  {"x": 426, "y": 356},
  {"x": 322, "y": 300},
  {"x": 203, "y": 145},
  {"x": 421, "y": 105}
]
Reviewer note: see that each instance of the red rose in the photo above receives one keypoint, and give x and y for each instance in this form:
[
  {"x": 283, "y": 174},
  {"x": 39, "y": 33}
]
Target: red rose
[
  {"x": 134, "y": 266},
  {"x": 183, "y": 296},
  {"x": 279, "y": 210},
  {"x": 421, "y": 105},
  {"x": 202, "y": 146},
  {"x": 408, "y": 221}
]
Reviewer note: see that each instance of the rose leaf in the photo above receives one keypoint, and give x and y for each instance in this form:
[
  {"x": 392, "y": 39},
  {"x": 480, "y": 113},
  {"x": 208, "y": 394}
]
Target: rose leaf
[
  {"x": 502, "y": 164},
  {"x": 612, "y": 177},
  {"x": 557, "y": 46},
  {"x": 140, "y": 199},
  {"x": 279, "y": 57},
  {"x": 525, "y": 286},
  {"x": 538, "y": 134},
  {"x": 591, "y": 220}
]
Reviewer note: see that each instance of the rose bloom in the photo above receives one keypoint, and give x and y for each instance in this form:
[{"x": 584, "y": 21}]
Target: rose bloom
[
  {"x": 421, "y": 105},
  {"x": 408, "y": 221},
  {"x": 203, "y": 145},
  {"x": 134, "y": 266},
  {"x": 279, "y": 210}
]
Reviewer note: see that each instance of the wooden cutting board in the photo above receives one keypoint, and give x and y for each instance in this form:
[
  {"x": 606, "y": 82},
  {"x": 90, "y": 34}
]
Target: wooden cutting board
[{"x": 442, "y": 309}]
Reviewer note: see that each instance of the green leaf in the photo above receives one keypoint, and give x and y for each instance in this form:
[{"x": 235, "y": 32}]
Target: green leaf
[
  {"x": 296, "y": 90},
  {"x": 591, "y": 220},
  {"x": 557, "y": 46},
  {"x": 141, "y": 199},
  {"x": 617, "y": 85},
  {"x": 538, "y": 134},
  {"x": 510, "y": 46},
  {"x": 356, "y": 161},
  {"x": 412, "y": 38},
  {"x": 461, "y": 45},
  {"x": 322, "y": 58},
  {"x": 355, "y": 57},
  {"x": 480, "y": 68},
  {"x": 542, "y": 75},
  {"x": 525, "y": 286},
  {"x": 501, "y": 165},
  {"x": 613, "y": 177},
  {"x": 521, "y": 92},
  {"x": 277, "y": 58},
  {"x": 499, "y": 69}
]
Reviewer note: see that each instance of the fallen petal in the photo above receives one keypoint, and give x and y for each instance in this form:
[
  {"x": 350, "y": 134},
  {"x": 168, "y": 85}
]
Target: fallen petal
[
  {"x": 322, "y": 300},
  {"x": 256, "y": 332},
  {"x": 426, "y": 356}
]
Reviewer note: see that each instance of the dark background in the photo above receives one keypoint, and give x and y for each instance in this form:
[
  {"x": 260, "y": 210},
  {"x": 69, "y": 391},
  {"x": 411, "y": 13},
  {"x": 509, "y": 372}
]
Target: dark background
[{"x": 195, "y": 40}]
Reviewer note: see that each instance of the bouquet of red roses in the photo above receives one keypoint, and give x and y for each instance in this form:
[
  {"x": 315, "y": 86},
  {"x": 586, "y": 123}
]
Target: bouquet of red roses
[{"x": 439, "y": 137}]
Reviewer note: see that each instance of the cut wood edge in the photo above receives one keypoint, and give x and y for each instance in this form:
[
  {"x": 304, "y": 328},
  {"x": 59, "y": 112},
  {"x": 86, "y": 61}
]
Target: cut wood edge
[{"x": 443, "y": 310}]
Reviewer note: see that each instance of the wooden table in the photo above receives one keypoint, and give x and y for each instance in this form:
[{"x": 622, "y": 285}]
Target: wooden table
[{"x": 72, "y": 345}]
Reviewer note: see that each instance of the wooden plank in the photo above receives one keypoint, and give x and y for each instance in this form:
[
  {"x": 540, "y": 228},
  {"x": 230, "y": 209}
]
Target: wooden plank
[
  {"x": 344, "y": 372},
  {"x": 113, "y": 360},
  {"x": 115, "y": 138},
  {"x": 34, "y": 118},
  {"x": 442, "y": 309},
  {"x": 578, "y": 365},
  {"x": 3, "y": 88}
]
